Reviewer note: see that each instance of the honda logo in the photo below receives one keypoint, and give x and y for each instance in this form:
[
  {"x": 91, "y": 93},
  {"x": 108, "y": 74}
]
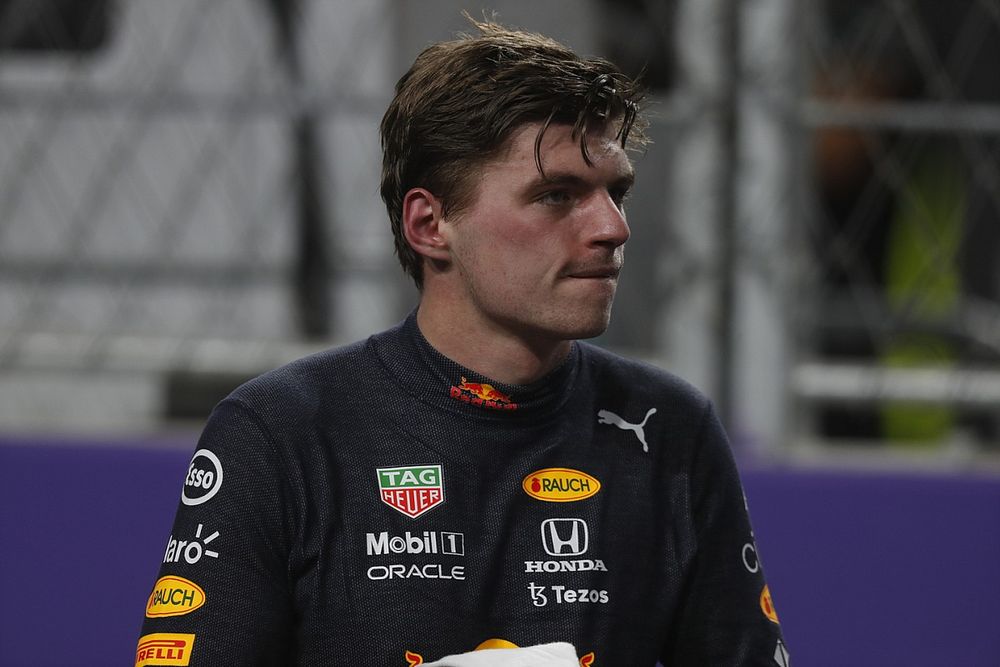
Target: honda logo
[{"x": 565, "y": 537}]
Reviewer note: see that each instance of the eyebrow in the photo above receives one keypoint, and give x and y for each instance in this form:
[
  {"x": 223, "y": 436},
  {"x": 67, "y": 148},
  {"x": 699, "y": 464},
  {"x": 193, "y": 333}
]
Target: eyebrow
[{"x": 626, "y": 180}]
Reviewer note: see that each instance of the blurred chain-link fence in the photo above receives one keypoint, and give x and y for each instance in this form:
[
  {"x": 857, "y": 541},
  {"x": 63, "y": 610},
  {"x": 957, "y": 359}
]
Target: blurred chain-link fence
[
  {"x": 188, "y": 195},
  {"x": 903, "y": 218}
]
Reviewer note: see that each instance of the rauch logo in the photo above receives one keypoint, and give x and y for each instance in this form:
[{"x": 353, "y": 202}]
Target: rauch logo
[
  {"x": 560, "y": 485},
  {"x": 174, "y": 596}
]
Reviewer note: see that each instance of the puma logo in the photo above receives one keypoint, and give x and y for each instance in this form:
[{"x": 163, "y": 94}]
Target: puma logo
[{"x": 607, "y": 417}]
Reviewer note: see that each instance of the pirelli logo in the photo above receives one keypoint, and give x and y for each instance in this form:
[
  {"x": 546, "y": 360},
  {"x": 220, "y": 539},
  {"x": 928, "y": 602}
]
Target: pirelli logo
[{"x": 164, "y": 649}]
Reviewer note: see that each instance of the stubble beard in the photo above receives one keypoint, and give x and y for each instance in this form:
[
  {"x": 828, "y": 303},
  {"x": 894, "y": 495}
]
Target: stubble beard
[{"x": 565, "y": 321}]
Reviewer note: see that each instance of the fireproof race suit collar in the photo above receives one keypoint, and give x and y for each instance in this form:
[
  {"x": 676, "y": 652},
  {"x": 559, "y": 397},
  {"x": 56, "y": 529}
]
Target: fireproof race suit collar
[{"x": 429, "y": 376}]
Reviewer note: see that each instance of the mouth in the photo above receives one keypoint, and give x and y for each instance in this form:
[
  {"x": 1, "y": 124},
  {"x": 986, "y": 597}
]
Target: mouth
[{"x": 609, "y": 272}]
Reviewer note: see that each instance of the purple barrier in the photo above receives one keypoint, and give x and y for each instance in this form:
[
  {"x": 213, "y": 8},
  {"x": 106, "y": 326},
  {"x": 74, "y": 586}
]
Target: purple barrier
[
  {"x": 866, "y": 570},
  {"x": 882, "y": 570},
  {"x": 83, "y": 531}
]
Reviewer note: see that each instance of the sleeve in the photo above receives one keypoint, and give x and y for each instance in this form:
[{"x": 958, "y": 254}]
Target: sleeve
[
  {"x": 223, "y": 594},
  {"x": 726, "y": 617}
]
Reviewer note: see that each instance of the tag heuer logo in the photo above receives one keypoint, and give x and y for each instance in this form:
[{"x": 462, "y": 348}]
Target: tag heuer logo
[{"x": 412, "y": 490}]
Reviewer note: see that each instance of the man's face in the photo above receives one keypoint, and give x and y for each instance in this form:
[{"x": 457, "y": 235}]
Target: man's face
[{"x": 538, "y": 257}]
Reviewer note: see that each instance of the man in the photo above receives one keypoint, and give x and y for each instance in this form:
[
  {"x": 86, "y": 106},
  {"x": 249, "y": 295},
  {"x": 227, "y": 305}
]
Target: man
[{"x": 475, "y": 478}]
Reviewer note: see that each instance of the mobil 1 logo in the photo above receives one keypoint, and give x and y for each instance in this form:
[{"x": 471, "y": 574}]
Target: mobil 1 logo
[
  {"x": 204, "y": 478},
  {"x": 429, "y": 544}
]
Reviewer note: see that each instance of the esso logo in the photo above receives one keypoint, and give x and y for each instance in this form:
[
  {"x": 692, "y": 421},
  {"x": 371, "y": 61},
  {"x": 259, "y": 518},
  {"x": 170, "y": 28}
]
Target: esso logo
[{"x": 204, "y": 478}]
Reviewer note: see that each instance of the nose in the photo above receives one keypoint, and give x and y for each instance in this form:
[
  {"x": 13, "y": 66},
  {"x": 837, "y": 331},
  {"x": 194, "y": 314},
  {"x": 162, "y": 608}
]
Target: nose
[{"x": 609, "y": 227}]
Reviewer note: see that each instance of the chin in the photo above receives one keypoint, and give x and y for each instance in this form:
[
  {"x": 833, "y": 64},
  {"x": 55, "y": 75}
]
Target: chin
[
  {"x": 590, "y": 332},
  {"x": 561, "y": 322},
  {"x": 580, "y": 326}
]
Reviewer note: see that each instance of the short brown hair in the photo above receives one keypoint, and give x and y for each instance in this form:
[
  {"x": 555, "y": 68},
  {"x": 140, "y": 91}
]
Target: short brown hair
[{"x": 461, "y": 100}]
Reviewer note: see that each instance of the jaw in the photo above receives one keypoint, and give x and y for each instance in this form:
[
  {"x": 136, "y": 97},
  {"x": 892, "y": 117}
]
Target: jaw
[{"x": 568, "y": 319}]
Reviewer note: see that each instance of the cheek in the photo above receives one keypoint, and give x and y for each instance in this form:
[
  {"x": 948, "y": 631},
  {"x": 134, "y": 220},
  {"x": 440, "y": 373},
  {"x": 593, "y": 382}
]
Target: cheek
[
  {"x": 522, "y": 262},
  {"x": 497, "y": 248},
  {"x": 506, "y": 235},
  {"x": 507, "y": 251}
]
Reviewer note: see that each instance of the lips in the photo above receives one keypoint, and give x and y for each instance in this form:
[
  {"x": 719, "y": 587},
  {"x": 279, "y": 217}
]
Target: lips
[{"x": 609, "y": 271}]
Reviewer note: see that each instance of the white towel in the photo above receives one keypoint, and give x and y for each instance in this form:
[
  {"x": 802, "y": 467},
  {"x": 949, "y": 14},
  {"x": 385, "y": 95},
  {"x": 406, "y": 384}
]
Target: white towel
[{"x": 559, "y": 654}]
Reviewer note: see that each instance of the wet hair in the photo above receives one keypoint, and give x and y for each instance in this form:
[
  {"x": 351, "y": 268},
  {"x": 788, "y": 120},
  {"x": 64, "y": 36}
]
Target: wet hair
[{"x": 460, "y": 102}]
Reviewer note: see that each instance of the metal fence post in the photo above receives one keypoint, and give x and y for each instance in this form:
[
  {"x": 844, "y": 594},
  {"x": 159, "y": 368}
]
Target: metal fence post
[{"x": 766, "y": 200}]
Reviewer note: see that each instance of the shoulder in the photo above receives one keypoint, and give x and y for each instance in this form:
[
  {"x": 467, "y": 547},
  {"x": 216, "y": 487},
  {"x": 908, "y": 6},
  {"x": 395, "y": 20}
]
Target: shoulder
[
  {"x": 306, "y": 383},
  {"x": 671, "y": 410},
  {"x": 621, "y": 375}
]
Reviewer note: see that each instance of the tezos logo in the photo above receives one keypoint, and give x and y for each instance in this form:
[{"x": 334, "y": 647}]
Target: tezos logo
[
  {"x": 411, "y": 490},
  {"x": 204, "y": 478},
  {"x": 560, "y": 485},
  {"x": 540, "y": 595}
]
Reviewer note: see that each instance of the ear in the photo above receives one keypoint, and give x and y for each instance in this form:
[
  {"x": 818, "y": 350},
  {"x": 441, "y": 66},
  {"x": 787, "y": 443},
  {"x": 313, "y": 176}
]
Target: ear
[{"x": 422, "y": 220}]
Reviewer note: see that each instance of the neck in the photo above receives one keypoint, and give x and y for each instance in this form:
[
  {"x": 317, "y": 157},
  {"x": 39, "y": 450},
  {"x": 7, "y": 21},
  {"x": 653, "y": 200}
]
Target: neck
[{"x": 488, "y": 347}]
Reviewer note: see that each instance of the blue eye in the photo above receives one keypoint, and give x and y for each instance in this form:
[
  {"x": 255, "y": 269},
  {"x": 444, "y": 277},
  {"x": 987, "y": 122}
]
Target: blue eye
[{"x": 555, "y": 198}]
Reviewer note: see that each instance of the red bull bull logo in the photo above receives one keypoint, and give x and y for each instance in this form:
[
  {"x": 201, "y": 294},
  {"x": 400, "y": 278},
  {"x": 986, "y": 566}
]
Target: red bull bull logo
[
  {"x": 414, "y": 659},
  {"x": 767, "y": 605},
  {"x": 482, "y": 395}
]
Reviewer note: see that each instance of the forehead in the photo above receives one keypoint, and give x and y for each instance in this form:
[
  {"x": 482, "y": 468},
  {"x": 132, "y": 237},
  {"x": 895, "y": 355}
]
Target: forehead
[{"x": 560, "y": 151}]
